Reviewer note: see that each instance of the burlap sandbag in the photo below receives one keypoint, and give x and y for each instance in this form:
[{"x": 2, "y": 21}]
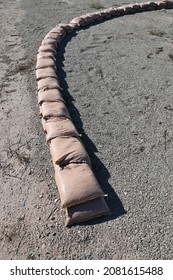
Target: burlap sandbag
[
  {"x": 76, "y": 184},
  {"x": 49, "y": 41},
  {"x": 46, "y": 55},
  {"x": 67, "y": 27},
  {"x": 58, "y": 33},
  {"x": 53, "y": 109},
  {"x": 43, "y": 121},
  {"x": 86, "y": 211},
  {"x": 50, "y": 95},
  {"x": 45, "y": 62},
  {"x": 58, "y": 30},
  {"x": 47, "y": 48},
  {"x": 169, "y": 4},
  {"x": 161, "y": 5},
  {"x": 135, "y": 7},
  {"x": 48, "y": 83},
  {"x": 45, "y": 73},
  {"x": 95, "y": 16},
  {"x": 77, "y": 20},
  {"x": 58, "y": 37},
  {"x": 65, "y": 150},
  {"x": 59, "y": 127}
]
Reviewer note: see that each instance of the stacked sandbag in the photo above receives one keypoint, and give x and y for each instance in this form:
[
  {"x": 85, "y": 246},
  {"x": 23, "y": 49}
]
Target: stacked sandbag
[{"x": 79, "y": 190}]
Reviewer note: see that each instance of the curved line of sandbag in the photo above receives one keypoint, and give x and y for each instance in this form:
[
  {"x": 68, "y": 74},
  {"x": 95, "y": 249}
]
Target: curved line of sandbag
[{"x": 80, "y": 193}]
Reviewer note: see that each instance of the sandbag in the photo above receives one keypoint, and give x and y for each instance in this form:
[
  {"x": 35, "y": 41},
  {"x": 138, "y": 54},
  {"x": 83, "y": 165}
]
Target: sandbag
[
  {"x": 110, "y": 11},
  {"x": 78, "y": 20},
  {"x": 48, "y": 54},
  {"x": 50, "y": 95},
  {"x": 88, "y": 18},
  {"x": 161, "y": 4},
  {"x": 144, "y": 6},
  {"x": 135, "y": 7},
  {"x": 151, "y": 6},
  {"x": 74, "y": 25},
  {"x": 43, "y": 121},
  {"x": 65, "y": 150},
  {"x": 94, "y": 17},
  {"x": 58, "y": 30},
  {"x": 49, "y": 41},
  {"x": 117, "y": 12},
  {"x": 59, "y": 127},
  {"x": 169, "y": 4},
  {"x": 55, "y": 36},
  {"x": 45, "y": 62},
  {"x": 53, "y": 109},
  {"x": 76, "y": 184},
  {"x": 45, "y": 73},
  {"x": 47, "y": 48},
  {"x": 86, "y": 211},
  {"x": 67, "y": 27},
  {"x": 48, "y": 83},
  {"x": 57, "y": 33},
  {"x": 120, "y": 11}
]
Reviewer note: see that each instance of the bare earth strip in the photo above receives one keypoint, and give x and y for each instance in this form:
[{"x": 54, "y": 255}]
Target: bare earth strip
[{"x": 119, "y": 75}]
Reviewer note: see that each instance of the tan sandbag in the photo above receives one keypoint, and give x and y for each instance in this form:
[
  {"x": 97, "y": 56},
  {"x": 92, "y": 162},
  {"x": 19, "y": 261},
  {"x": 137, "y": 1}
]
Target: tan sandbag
[
  {"x": 97, "y": 16},
  {"x": 136, "y": 7},
  {"x": 76, "y": 184},
  {"x": 108, "y": 12},
  {"x": 144, "y": 6},
  {"x": 78, "y": 20},
  {"x": 49, "y": 41},
  {"x": 65, "y": 150},
  {"x": 47, "y": 48},
  {"x": 89, "y": 18},
  {"x": 58, "y": 30},
  {"x": 48, "y": 83},
  {"x": 74, "y": 25},
  {"x": 151, "y": 5},
  {"x": 129, "y": 9},
  {"x": 86, "y": 211},
  {"x": 120, "y": 11},
  {"x": 161, "y": 4},
  {"x": 169, "y": 4},
  {"x": 53, "y": 36},
  {"x": 45, "y": 73},
  {"x": 67, "y": 27},
  {"x": 43, "y": 124},
  {"x": 57, "y": 34},
  {"x": 111, "y": 11},
  {"x": 46, "y": 55},
  {"x": 102, "y": 13},
  {"x": 45, "y": 62},
  {"x": 59, "y": 127},
  {"x": 50, "y": 95},
  {"x": 117, "y": 12},
  {"x": 53, "y": 110}
]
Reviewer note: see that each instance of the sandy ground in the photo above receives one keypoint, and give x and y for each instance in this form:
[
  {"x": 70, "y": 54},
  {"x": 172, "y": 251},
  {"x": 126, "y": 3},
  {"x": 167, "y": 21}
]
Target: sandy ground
[{"x": 117, "y": 80}]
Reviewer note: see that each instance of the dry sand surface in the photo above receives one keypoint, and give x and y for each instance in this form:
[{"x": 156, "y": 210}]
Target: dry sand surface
[{"x": 117, "y": 80}]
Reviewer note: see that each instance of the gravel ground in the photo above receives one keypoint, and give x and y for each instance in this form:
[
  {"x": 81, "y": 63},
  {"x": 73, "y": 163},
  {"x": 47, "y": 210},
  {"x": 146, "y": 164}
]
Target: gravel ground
[{"x": 117, "y": 80}]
